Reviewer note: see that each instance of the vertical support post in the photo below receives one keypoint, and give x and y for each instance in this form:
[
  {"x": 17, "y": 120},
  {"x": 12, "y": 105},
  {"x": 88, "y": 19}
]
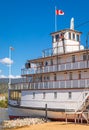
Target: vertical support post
[
  {"x": 75, "y": 118},
  {"x": 46, "y": 113},
  {"x": 66, "y": 118},
  {"x": 81, "y": 119}
]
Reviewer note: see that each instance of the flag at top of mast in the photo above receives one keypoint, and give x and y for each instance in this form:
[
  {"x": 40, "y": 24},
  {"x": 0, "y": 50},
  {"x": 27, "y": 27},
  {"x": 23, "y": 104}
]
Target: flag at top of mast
[{"x": 59, "y": 12}]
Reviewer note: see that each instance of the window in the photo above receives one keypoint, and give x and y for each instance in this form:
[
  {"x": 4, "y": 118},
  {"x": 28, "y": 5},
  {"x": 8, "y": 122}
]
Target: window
[
  {"x": 59, "y": 60},
  {"x": 70, "y": 95},
  {"x": 55, "y": 95},
  {"x": 77, "y": 37},
  {"x": 79, "y": 75},
  {"x": 73, "y": 36},
  {"x": 70, "y": 76},
  {"x": 73, "y": 58},
  {"x": 48, "y": 78},
  {"x": 15, "y": 95},
  {"x": 46, "y": 63},
  {"x": 69, "y": 35},
  {"x": 55, "y": 78},
  {"x": 33, "y": 95},
  {"x": 57, "y": 37},
  {"x": 51, "y": 62},
  {"x": 44, "y": 95},
  {"x": 84, "y": 57}
]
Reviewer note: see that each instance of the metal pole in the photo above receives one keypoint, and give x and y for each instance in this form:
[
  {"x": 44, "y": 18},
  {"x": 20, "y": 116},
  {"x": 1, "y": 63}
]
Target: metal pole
[
  {"x": 46, "y": 112},
  {"x": 9, "y": 67},
  {"x": 55, "y": 20},
  {"x": 10, "y": 49}
]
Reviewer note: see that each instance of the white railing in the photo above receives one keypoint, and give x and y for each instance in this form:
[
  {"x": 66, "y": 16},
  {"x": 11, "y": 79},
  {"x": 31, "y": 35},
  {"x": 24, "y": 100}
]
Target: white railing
[
  {"x": 83, "y": 83},
  {"x": 53, "y": 68},
  {"x": 80, "y": 105}
]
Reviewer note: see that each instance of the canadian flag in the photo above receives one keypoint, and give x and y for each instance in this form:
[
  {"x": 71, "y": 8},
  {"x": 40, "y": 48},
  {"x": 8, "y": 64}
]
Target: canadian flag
[{"x": 59, "y": 12}]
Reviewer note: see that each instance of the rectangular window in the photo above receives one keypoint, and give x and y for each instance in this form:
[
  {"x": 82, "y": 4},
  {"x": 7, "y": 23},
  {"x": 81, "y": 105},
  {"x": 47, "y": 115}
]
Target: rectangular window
[
  {"x": 33, "y": 95},
  {"x": 44, "y": 94},
  {"x": 55, "y": 95},
  {"x": 73, "y": 36},
  {"x": 79, "y": 75},
  {"x": 69, "y": 35},
  {"x": 70, "y": 76},
  {"x": 84, "y": 57},
  {"x": 59, "y": 60},
  {"x": 55, "y": 78},
  {"x": 51, "y": 62},
  {"x": 73, "y": 58},
  {"x": 77, "y": 37},
  {"x": 57, "y": 37},
  {"x": 70, "y": 95}
]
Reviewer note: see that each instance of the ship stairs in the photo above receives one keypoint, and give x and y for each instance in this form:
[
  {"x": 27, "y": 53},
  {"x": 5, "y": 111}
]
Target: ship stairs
[{"x": 81, "y": 113}]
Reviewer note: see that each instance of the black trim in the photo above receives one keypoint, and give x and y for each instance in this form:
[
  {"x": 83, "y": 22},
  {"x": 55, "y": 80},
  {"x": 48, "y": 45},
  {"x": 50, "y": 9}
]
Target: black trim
[{"x": 43, "y": 109}]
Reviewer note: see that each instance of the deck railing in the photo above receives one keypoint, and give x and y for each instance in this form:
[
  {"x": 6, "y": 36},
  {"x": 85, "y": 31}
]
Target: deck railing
[
  {"x": 53, "y": 68},
  {"x": 83, "y": 83}
]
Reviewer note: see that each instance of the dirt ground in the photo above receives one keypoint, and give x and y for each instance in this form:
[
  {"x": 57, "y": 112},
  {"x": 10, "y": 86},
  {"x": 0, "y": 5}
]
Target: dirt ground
[{"x": 56, "y": 126}]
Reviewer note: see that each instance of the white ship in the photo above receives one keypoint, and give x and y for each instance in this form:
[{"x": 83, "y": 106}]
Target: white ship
[{"x": 57, "y": 84}]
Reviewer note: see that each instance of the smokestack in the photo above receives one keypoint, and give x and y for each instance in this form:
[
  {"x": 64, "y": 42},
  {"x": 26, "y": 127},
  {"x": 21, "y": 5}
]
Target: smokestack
[{"x": 72, "y": 24}]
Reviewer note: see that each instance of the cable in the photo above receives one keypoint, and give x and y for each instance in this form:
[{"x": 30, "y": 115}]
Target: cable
[{"x": 82, "y": 24}]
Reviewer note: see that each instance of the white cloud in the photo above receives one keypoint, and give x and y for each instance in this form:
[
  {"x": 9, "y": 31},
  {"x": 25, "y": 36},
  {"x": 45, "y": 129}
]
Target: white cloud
[
  {"x": 11, "y": 76},
  {"x": 14, "y": 77},
  {"x": 3, "y": 76},
  {"x": 6, "y": 61}
]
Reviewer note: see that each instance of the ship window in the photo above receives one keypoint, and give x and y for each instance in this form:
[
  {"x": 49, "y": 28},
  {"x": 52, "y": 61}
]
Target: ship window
[
  {"x": 57, "y": 37},
  {"x": 59, "y": 60},
  {"x": 51, "y": 62},
  {"x": 84, "y": 57},
  {"x": 55, "y": 95},
  {"x": 70, "y": 95},
  {"x": 55, "y": 77},
  {"x": 73, "y": 58},
  {"x": 44, "y": 94},
  {"x": 79, "y": 75},
  {"x": 73, "y": 36},
  {"x": 70, "y": 76},
  {"x": 48, "y": 78},
  {"x": 46, "y": 63},
  {"x": 33, "y": 95},
  {"x": 15, "y": 95},
  {"x": 77, "y": 37},
  {"x": 69, "y": 35}
]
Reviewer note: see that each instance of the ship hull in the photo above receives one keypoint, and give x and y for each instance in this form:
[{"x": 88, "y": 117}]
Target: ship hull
[{"x": 61, "y": 115}]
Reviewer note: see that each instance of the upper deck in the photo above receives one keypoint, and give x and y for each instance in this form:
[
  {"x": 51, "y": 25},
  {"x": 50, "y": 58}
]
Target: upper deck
[{"x": 56, "y": 63}]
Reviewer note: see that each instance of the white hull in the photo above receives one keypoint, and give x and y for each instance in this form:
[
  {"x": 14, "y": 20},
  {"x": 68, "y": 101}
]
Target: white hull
[{"x": 24, "y": 112}]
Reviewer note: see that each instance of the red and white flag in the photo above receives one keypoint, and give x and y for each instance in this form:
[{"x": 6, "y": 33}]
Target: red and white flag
[{"x": 59, "y": 12}]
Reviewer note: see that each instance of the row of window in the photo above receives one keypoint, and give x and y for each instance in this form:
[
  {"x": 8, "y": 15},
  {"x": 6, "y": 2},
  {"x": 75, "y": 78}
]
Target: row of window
[
  {"x": 71, "y": 36},
  {"x": 70, "y": 76},
  {"x": 15, "y": 95},
  {"x": 55, "y": 95},
  {"x": 85, "y": 57}
]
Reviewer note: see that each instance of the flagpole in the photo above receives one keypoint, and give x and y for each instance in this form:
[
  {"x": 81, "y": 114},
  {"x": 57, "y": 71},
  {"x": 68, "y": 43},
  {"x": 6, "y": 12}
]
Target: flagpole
[
  {"x": 9, "y": 68},
  {"x": 55, "y": 20},
  {"x": 10, "y": 50}
]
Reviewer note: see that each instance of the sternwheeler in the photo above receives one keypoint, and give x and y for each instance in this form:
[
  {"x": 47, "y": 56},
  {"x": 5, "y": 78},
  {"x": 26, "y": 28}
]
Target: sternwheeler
[{"x": 57, "y": 83}]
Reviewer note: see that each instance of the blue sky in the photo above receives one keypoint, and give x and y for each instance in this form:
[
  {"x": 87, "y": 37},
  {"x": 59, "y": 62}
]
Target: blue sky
[{"x": 26, "y": 25}]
